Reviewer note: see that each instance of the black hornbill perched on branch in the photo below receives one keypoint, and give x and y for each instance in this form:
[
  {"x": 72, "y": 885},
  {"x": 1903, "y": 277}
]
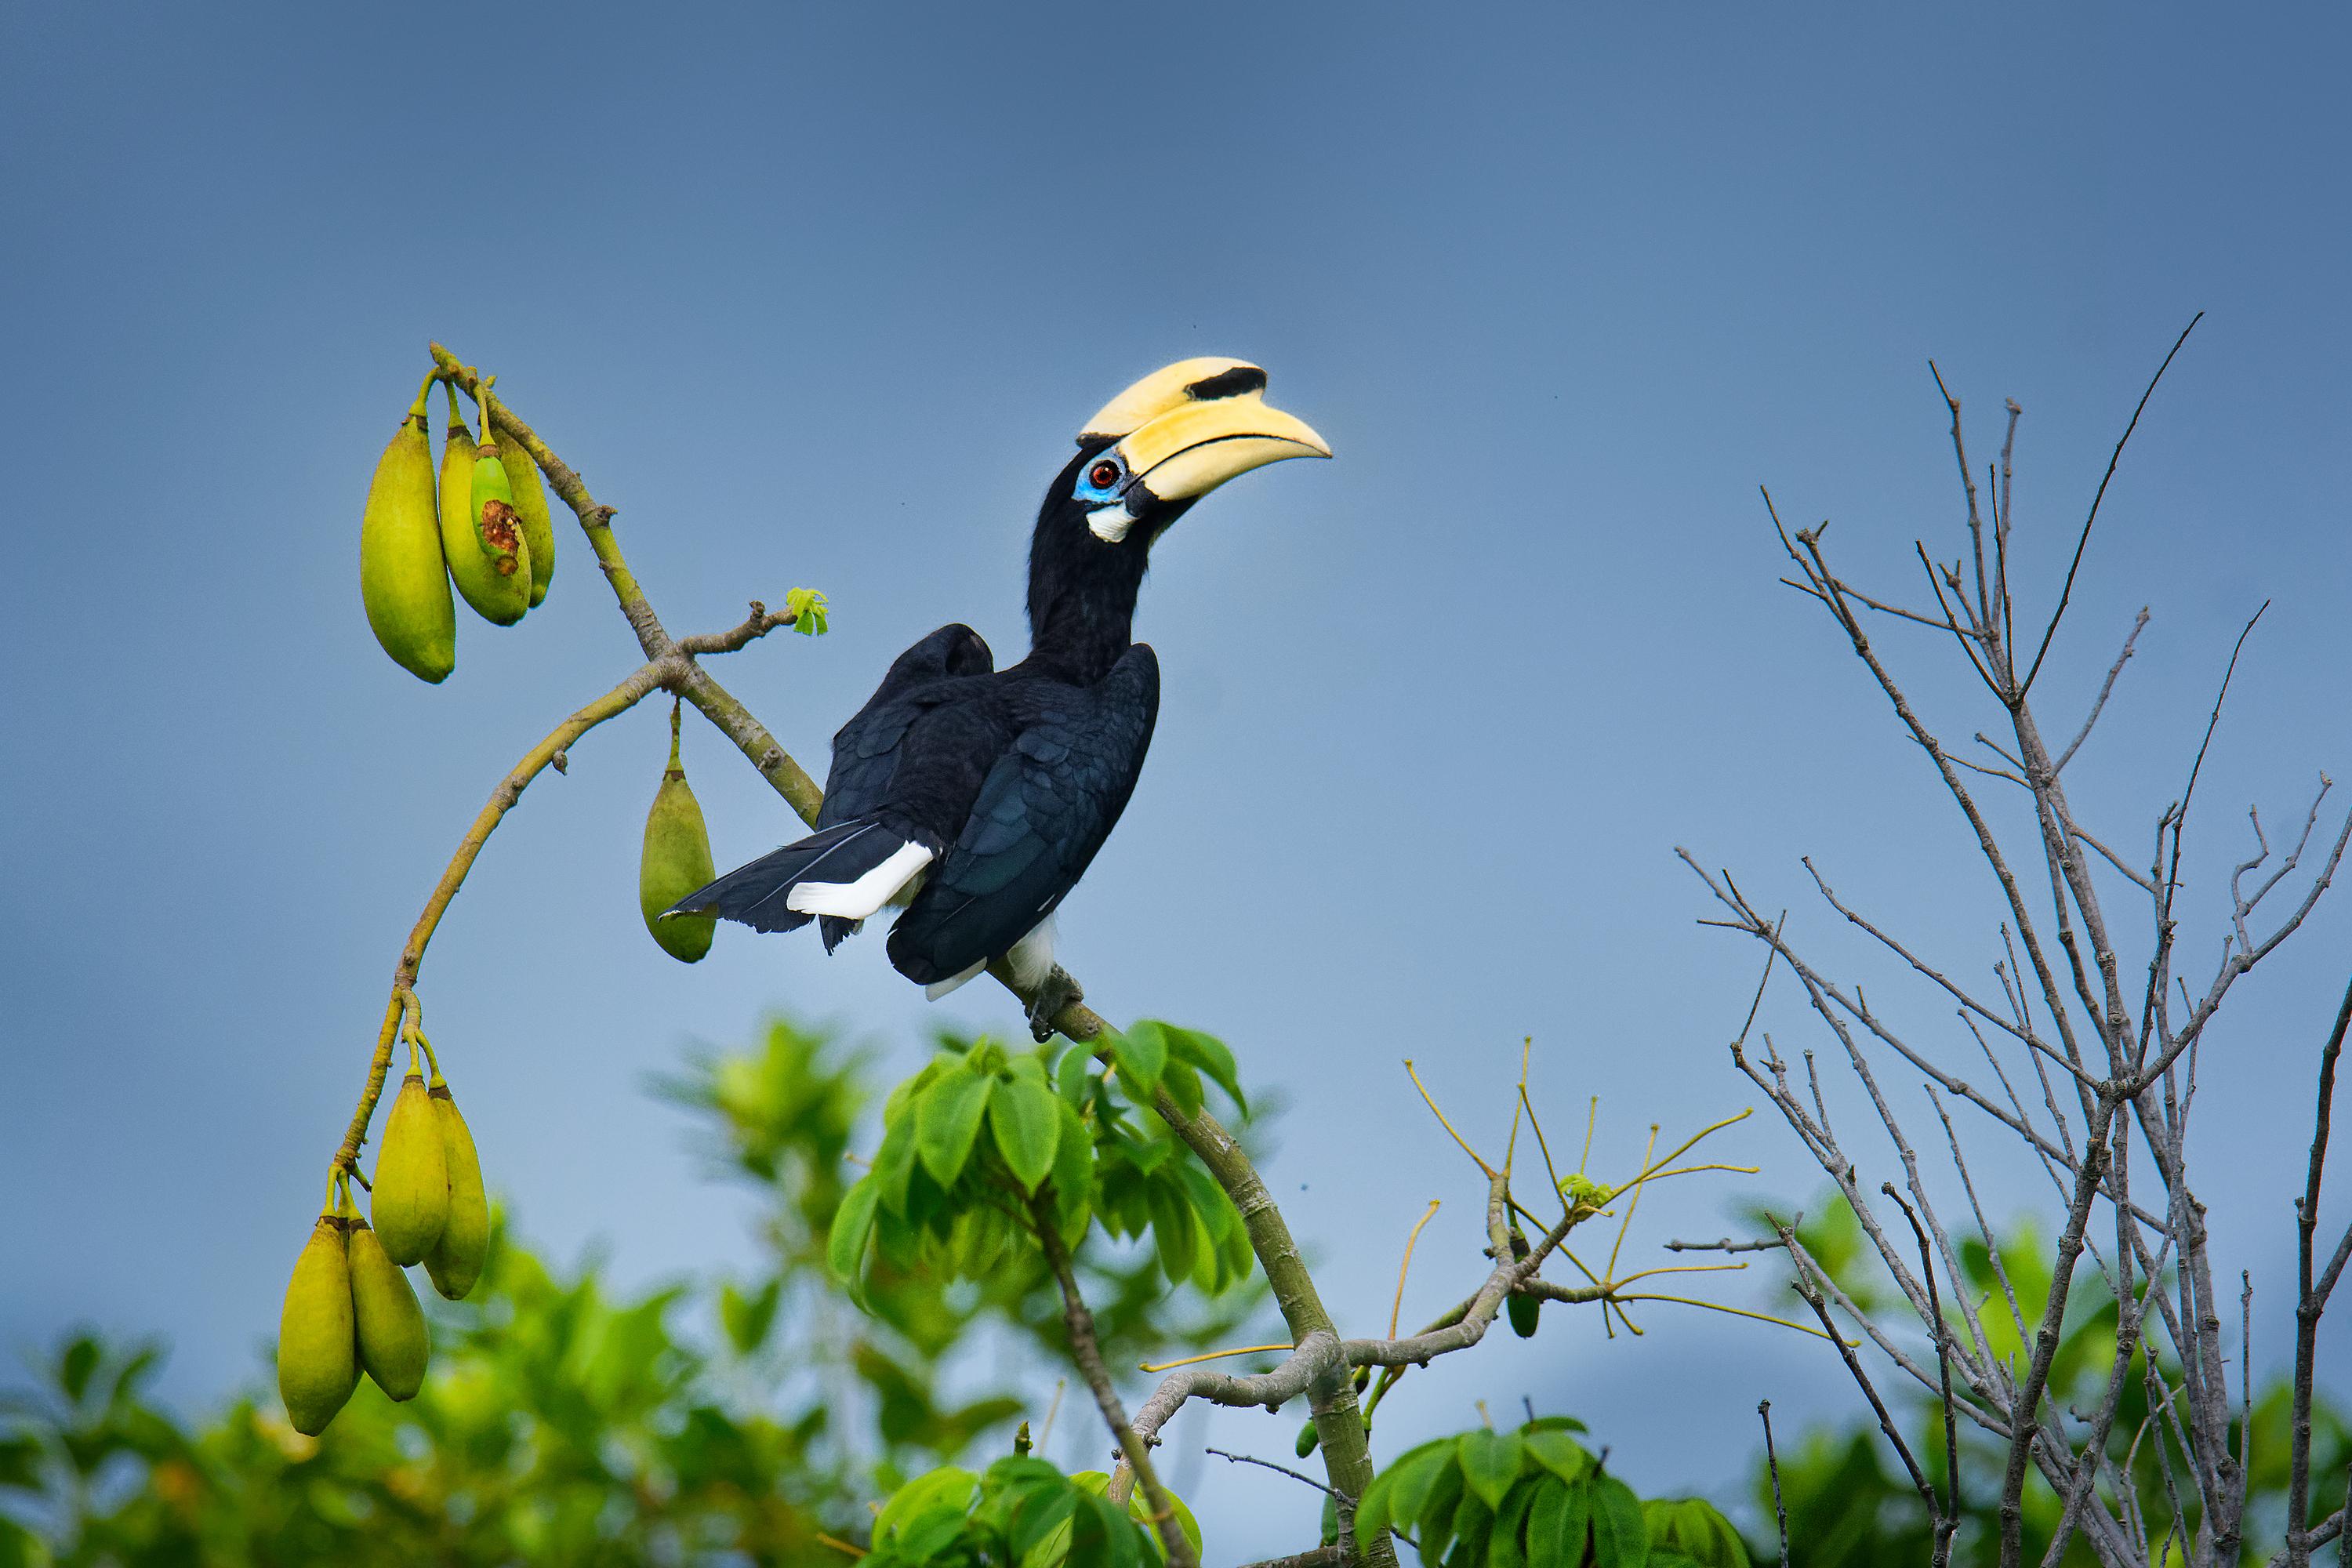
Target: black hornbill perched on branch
[{"x": 982, "y": 795}]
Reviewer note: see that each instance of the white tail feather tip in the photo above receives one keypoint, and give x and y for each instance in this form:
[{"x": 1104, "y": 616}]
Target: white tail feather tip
[{"x": 855, "y": 900}]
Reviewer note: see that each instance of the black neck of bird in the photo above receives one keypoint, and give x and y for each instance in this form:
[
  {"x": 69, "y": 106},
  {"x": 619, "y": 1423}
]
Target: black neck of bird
[
  {"x": 1082, "y": 589},
  {"x": 1082, "y": 594}
]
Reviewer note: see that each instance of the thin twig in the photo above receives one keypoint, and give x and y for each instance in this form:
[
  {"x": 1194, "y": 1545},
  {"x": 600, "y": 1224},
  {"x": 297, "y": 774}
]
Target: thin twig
[{"x": 2116, "y": 457}]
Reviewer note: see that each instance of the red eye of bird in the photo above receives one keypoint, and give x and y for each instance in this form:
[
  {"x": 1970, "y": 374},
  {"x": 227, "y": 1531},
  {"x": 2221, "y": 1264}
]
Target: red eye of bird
[{"x": 1103, "y": 476}]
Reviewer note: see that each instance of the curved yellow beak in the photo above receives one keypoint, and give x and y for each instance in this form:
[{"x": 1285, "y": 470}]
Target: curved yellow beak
[{"x": 1193, "y": 448}]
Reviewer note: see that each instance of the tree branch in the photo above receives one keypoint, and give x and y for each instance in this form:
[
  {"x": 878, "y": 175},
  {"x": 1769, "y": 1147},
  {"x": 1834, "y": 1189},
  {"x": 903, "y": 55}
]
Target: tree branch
[{"x": 1135, "y": 1452}]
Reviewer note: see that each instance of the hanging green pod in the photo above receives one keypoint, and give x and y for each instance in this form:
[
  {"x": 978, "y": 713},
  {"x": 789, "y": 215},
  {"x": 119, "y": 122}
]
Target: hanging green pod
[
  {"x": 676, "y": 861},
  {"x": 393, "y": 1348},
  {"x": 318, "y": 1362},
  {"x": 485, "y": 555},
  {"x": 531, "y": 506},
  {"x": 411, "y": 1195},
  {"x": 455, "y": 1260},
  {"x": 402, "y": 582}
]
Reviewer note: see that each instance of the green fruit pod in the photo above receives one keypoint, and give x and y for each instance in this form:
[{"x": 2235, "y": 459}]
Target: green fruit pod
[
  {"x": 498, "y": 527},
  {"x": 318, "y": 1364},
  {"x": 403, "y": 581},
  {"x": 456, "y": 1259},
  {"x": 531, "y": 506},
  {"x": 676, "y": 862},
  {"x": 391, "y": 1325},
  {"x": 1525, "y": 1311},
  {"x": 499, "y": 596},
  {"x": 410, "y": 1199}
]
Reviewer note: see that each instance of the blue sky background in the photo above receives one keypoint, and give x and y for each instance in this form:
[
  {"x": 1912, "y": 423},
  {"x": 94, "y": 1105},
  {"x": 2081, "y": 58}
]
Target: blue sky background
[{"x": 818, "y": 295}]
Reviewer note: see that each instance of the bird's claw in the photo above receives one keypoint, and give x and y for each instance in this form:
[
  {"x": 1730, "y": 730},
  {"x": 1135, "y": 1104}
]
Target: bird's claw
[{"x": 1056, "y": 992}]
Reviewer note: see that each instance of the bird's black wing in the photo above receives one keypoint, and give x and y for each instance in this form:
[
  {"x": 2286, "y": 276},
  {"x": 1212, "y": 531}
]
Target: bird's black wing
[
  {"x": 1046, "y": 808},
  {"x": 865, "y": 750}
]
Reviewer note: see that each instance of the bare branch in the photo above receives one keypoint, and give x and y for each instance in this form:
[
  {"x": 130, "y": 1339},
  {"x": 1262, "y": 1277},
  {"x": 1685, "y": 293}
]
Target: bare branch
[
  {"x": 2106, "y": 688},
  {"x": 2075, "y": 565},
  {"x": 1772, "y": 1463}
]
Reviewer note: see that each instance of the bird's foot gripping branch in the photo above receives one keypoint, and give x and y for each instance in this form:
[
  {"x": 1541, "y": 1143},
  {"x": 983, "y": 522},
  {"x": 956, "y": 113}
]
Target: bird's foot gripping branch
[{"x": 989, "y": 1153}]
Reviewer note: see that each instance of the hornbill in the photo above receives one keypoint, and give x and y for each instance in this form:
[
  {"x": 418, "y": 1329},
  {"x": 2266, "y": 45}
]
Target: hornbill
[{"x": 978, "y": 796}]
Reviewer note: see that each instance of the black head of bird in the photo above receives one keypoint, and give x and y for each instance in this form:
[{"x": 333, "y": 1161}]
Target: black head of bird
[{"x": 1144, "y": 460}]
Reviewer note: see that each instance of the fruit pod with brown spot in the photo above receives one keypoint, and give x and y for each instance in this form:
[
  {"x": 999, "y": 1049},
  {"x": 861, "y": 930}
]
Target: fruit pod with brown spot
[
  {"x": 456, "y": 1259},
  {"x": 390, "y": 1324},
  {"x": 495, "y": 579},
  {"x": 317, "y": 1360},
  {"x": 531, "y": 505},
  {"x": 411, "y": 1195},
  {"x": 402, "y": 582},
  {"x": 676, "y": 862}
]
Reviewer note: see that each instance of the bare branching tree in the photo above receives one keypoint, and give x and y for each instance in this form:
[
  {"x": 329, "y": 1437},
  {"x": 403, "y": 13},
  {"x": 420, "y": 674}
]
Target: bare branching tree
[{"x": 2093, "y": 1010}]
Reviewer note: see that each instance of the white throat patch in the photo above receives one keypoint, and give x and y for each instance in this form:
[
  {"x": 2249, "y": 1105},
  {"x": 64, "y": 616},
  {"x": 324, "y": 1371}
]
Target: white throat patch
[{"x": 1110, "y": 524}]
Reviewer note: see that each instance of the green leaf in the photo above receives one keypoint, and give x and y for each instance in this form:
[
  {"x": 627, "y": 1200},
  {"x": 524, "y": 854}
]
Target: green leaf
[
  {"x": 1548, "y": 1545},
  {"x": 845, "y": 1247},
  {"x": 903, "y": 1096},
  {"x": 77, "y": 1366},
  {"x": 1141, "y": 1054},
  {"x": 1556, "y": 1451},
  {"x": 747, "y": 1319},
  {"x": 1620, "y": 1538},
  {"x": 1174, "y": 1230},
  {"x": 806, "y": 606},
  {"x": 1213, "y": 1270},
  {"x": 1576, "y": 1522},
  {"x": 1043, "y": 1525},
  {"x": 1070, "y": 1077},
  {"x": 949, "y": 1488},
  {"x": 1184, "y": 1086},
  {"x": 1042, "y": 1515},
  {"x": 1025, "y": 1121},
  {"x": 1490, "y": 1463},
  {"x": 1474, "y": 1524},
  {"x": 1209, "y": 1054},
  {"x": 946, "y": 1122},
  {"x": 1416, "y": 1474},
  {"x": 1437, "y": 1515},
  {"x": 1554, "y": 1424},
  {"x": 1506, "y": 1547},
  {"x": 1074, "y": 1162},
  {"x": 1694, "y": 1528},
  {"x": 893, "y": 1164},
  {"x": 1382, "y": 1503},
  {"x": 1119, "y": 1535}
]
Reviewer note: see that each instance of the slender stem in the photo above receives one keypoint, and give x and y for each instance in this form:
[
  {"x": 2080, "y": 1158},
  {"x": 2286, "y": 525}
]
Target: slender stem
[
  {"x": 1087, "y": 1351},
  {"x": 622, "y": 697},
  {"x": 1947, "y": 1514},
  {"x": 1772, "y": 1463},
  {"x": 2310, "y": 1302}
]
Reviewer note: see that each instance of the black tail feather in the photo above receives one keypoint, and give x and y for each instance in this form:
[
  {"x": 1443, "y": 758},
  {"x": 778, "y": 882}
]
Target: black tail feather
[{"x": 755, "y": 894}]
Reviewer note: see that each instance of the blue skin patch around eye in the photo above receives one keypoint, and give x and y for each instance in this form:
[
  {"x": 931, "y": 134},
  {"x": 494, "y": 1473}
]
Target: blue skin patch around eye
[{"x": 1098, "y": 495}]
